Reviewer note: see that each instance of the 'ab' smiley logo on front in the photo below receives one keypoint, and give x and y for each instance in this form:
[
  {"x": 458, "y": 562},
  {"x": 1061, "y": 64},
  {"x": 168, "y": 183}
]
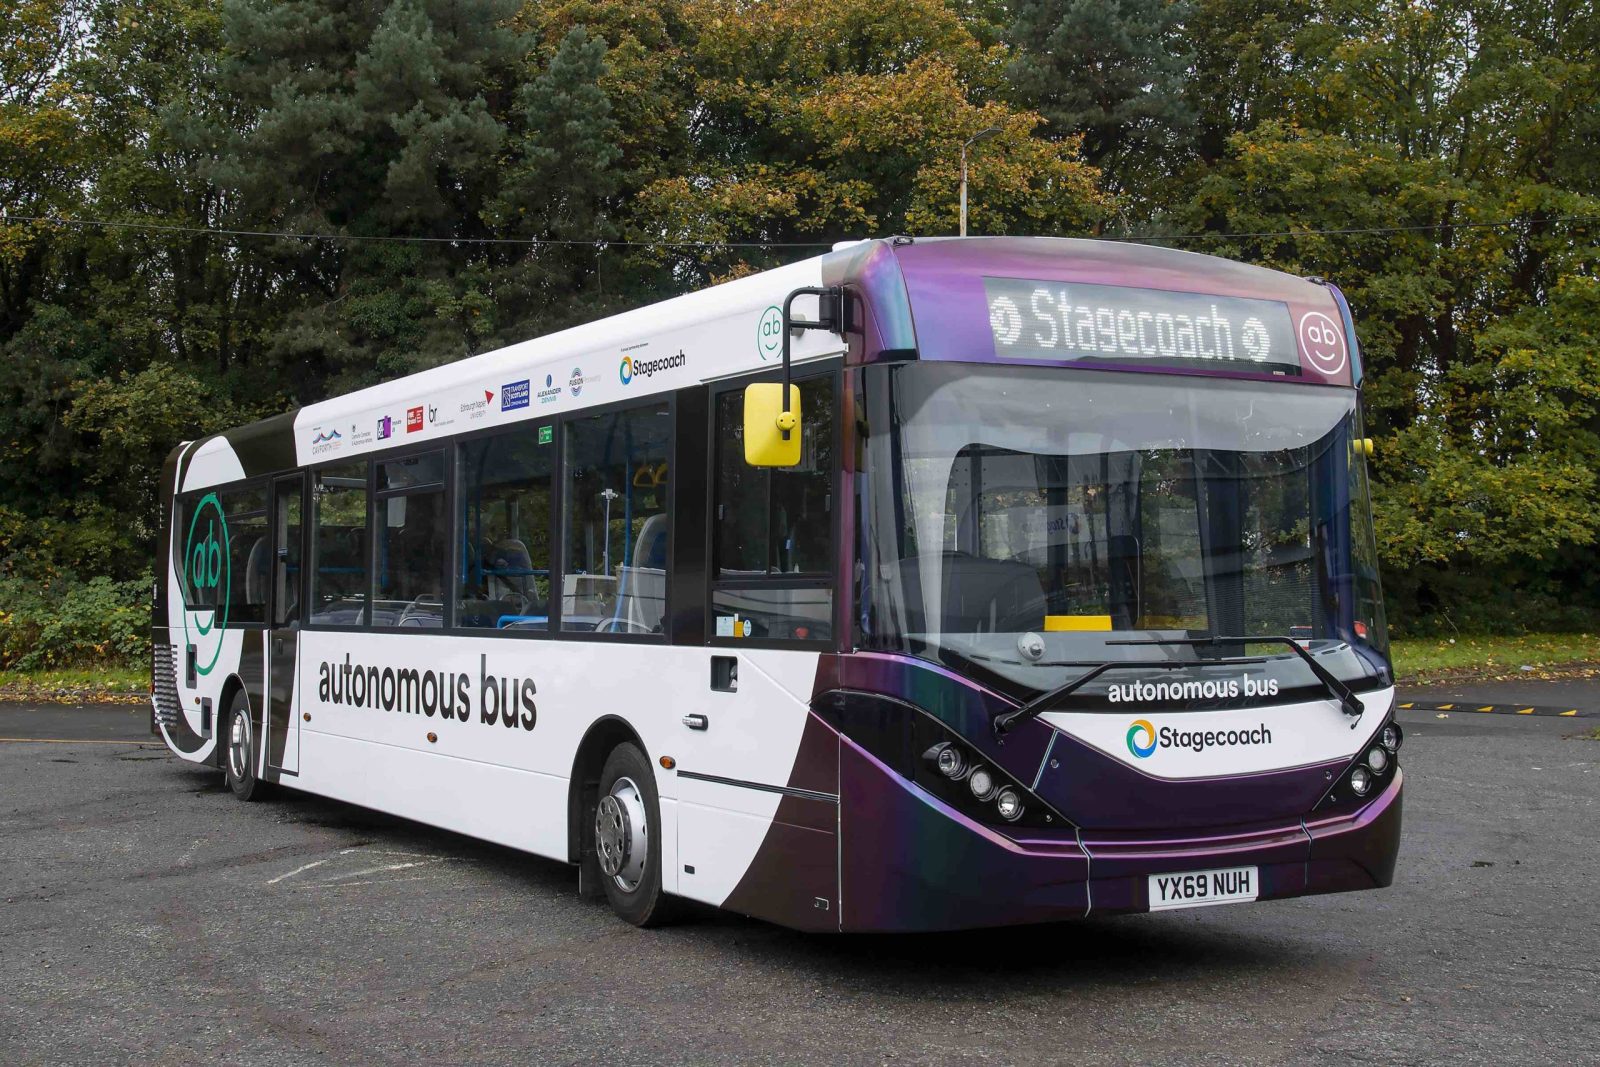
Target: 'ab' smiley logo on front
[{"x": 208, "y": 570}]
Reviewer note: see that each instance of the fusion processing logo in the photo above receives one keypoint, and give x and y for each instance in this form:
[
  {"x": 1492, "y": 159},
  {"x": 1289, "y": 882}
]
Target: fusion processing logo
[
  {"x": 1143, "y": 749},
  {"x": 209, "y": 576}
]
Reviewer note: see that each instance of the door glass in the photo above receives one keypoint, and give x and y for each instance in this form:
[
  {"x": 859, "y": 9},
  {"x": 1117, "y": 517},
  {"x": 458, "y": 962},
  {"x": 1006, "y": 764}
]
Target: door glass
[{"x": 286, "y": 565}]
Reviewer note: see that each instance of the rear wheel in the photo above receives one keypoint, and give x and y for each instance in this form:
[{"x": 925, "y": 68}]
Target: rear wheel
[
  {"x": 627, "y": 838},
  {"x": 238, "y": 752}
]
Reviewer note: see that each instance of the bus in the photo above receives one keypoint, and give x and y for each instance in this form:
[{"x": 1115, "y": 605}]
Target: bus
[{"x": 926, "y": 584}]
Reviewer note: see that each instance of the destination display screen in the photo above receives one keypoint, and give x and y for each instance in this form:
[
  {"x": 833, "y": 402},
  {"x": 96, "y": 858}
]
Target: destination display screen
[{"x": 1114, "y": 323}]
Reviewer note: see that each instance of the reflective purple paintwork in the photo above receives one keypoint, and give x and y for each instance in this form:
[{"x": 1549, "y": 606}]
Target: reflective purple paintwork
[{"x": 908, "y": 861}]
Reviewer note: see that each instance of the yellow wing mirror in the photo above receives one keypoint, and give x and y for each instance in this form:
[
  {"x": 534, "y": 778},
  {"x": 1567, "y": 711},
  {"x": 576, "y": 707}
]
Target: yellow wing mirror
[
  {"x": 771, "y": 434},
  {"x": 1364, "y": 446}
]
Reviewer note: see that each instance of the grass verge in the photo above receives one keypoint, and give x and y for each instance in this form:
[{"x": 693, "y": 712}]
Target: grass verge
[
  {"x": 87, "y": 685},
  {"x": 1527, "y": 656}
]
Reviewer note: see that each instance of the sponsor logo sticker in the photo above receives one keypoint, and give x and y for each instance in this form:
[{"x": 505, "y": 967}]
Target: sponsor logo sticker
[
  {"x": 413, "y": 419},
  {"x": 385, "y": 428},
  {"x": 551, "y": 391},
  {"x": 514, "y": 395},
  {"x": 1323, "y": 342},
  {"x": 632, "y": 368}
]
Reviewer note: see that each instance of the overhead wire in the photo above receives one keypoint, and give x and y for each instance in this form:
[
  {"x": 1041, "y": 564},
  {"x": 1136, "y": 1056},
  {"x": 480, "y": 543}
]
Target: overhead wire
[{"x": 603, "y": 243}]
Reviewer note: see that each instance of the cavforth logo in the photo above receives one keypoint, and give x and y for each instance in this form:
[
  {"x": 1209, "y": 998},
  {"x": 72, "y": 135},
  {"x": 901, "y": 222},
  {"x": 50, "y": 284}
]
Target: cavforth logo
[
  {"x": 769, "y": 333},
  {"x": 324, "y": 438},
  {"x": 1142, "y": 738},
  {"x": 209, "y": 574}
]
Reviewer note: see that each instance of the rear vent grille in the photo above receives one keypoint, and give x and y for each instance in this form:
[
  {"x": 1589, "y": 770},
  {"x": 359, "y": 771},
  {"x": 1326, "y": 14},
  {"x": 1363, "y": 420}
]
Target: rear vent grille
[{"x": 165, "y": 683}]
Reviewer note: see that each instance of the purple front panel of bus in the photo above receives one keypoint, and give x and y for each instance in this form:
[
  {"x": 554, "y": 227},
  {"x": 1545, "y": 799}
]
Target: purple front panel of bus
[
  {"x": 929, "y": 295},
  {"x": 908, "y": 862},
  {"x": 1089, "y": 787}
]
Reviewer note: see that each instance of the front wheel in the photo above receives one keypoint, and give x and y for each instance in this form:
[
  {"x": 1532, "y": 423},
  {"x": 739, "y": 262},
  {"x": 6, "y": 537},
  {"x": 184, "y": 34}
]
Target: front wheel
[
  {"x": 627, "y": 838},
  {"x": 238, "y": 755}
]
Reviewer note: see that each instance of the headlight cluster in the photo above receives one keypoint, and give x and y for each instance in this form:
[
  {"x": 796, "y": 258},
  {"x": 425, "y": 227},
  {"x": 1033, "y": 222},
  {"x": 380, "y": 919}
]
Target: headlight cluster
[
  {"x": 1379, "y": 761},
  {"x": 984, "y": 783}
]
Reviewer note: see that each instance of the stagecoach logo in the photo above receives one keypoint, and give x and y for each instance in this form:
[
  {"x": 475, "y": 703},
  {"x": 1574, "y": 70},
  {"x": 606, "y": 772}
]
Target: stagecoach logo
[
  {"x": 769, "y": 333},
  {"x": 1144, "y": 738},
  {"x": 644, "y": 368},
  {"x": 208, "y": 573},
  {"x": 1323, "y": 342}
]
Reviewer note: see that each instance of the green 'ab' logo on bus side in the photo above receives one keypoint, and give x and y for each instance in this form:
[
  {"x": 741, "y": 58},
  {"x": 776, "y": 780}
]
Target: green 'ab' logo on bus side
[
  {"x": 769, "y": 333},
  {"x": 208, "y": 572}
]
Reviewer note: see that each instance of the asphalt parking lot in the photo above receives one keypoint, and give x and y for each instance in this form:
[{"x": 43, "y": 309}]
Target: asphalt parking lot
[{"x": 149, "y": 917}]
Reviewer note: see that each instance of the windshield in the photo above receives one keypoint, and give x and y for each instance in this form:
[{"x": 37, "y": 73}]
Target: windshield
[{"x": 1025, "y": 523}]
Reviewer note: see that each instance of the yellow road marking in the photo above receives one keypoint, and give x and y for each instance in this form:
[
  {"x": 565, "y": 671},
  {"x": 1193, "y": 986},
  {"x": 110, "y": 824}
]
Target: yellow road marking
[
  {"x": 1569, "y": 714},
  {"x": 1525, "y": 711},
  {"x": 1407, "y": 705},
  {"x": 72, "y": 741},
  {"x": 1446, "y": 707},
  {"x": 1487, "y": 707}
]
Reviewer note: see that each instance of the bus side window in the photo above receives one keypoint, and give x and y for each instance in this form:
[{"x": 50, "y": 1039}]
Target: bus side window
[
  {"x": 773, "y": 539},
  {"x": 411, "y": 534},
  {"x": 615, "y": 497},
  {"x": 339, "y": 546},
  {"x": 502, "y": 550}
]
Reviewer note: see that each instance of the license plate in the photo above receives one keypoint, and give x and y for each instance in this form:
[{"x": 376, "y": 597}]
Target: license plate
[{"x": 1197, "y": 889}]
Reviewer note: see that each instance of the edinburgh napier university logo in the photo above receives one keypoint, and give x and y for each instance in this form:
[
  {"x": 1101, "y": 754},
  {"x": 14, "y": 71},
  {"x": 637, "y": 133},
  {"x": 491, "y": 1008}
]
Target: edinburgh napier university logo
[{"x": 208, "y": 578}]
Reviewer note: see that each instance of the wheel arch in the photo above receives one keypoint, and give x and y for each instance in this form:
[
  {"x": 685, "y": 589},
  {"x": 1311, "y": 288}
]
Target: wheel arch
[
  {"x": 232, "y": 686},
  {"x": 604, "y": 734}
]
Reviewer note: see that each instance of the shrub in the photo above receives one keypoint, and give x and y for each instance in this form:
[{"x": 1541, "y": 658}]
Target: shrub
[{"x": 68, "y": 622}]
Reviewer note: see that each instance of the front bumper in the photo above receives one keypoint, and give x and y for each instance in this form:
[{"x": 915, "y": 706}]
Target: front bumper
[{"x": 910, "y": 862}]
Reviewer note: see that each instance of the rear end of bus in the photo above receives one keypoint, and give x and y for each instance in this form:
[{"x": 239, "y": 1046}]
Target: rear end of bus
[{"x": 1119, "y": 641}]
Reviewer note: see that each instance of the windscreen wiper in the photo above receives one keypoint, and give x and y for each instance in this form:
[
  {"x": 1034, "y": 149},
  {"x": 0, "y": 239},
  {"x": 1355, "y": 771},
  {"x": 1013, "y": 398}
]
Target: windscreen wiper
[
  {"x": 1003, "y": 724},
  {"x": 1348, "y": 701}
]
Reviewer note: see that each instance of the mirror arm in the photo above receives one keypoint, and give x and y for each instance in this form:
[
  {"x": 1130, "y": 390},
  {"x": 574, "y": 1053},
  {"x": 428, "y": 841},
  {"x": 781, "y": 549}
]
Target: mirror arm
[{"x": 830, "y": 317}]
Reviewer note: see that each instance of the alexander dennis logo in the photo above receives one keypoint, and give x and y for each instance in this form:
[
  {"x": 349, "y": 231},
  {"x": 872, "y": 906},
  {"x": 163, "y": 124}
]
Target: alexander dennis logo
[
  {"x": 1144, "y": 738},
  {"x": 208, "y": 569}
]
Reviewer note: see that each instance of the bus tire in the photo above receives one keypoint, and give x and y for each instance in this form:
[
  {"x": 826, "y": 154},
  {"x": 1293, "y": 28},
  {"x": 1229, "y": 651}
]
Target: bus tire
[
  {"x": 238, "y": 752},
  {"x": 627, "y": 837}
]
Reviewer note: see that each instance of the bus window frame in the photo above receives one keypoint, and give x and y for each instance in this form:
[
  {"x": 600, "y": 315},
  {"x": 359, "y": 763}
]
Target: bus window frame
[
  {"x": 453, "y": 502},
  {"x": 313, "y": 521},
  {"x": 833, "y": 369},
  {"x": 558, "y": 554},
  {"x": 376, "y": 496}
]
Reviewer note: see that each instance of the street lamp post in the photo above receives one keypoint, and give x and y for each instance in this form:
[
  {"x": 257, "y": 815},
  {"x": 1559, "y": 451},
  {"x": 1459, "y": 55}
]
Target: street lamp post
[{"x": 981, "y": 135}]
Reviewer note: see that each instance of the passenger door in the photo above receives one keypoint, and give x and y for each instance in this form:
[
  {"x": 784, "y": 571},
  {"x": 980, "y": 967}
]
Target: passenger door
[{"x": 283, "y": 636}]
